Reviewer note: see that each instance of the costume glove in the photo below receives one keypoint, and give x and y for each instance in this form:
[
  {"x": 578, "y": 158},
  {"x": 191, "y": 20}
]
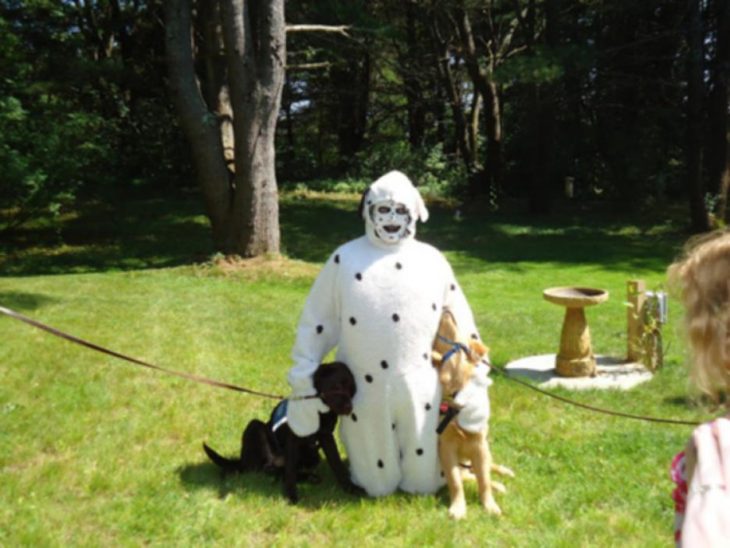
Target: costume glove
[{"x": 302, "y": 415}]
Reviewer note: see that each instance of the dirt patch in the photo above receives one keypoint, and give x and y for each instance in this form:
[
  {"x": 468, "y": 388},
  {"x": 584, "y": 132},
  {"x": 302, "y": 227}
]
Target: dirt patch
[{"x": 257, "y": 268}]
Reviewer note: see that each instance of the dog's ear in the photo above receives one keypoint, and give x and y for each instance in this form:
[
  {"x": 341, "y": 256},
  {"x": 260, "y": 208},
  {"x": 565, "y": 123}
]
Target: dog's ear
[
  {"x": 447, "y": 325},
  {"x": 321, "y": 374},
  {"x": 478, "y": 348}
]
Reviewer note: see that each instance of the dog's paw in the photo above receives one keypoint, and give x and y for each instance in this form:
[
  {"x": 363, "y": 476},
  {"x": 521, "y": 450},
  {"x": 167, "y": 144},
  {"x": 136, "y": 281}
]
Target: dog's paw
[
  {"x": 491, "y": 507},
  {"x": 457, "y": 511},
  {"x": 499, "y": 487},
  {"x": 353, "y": 489}
]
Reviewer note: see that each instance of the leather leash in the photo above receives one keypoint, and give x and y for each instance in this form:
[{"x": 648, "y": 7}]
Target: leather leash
[
  {"x": 92, "y": 346},
  {"x": 451, "y": 413},
  {"x": 504, "y": 373},
  {"x": 236, "y": 388}
]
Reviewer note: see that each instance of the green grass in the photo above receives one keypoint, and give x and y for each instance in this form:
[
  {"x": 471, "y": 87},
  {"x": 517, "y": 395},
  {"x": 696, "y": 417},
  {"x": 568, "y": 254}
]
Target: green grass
[{"x": 94, "y": 451}]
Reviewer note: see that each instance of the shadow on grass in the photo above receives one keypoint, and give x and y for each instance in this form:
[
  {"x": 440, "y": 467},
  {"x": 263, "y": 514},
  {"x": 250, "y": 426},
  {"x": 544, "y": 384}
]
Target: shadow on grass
[
  {"x": 313, "y": 230},
  {"x": 18, "y": 300},
  {"x": 207, "y": 476},
  {"x": 122, "y": 234},
  {"x": 154, "y": 232}
]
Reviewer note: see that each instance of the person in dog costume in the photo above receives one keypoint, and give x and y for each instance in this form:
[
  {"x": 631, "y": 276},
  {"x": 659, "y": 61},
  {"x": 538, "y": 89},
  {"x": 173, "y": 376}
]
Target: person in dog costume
[{"x": 379, "y": 299}]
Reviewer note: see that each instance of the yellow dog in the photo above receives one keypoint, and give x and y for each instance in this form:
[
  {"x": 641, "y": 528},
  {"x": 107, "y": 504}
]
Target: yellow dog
[{"x": 463, "y": 372}]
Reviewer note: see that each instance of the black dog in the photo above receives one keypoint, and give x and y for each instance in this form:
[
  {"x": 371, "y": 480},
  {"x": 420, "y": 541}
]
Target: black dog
[{"x": 273, "y": 447}]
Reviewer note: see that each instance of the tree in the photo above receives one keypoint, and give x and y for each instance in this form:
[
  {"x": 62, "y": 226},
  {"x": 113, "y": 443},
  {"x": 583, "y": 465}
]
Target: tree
[
  {"x": 484, "y": 35},
  {"x": 447, "y": 60},
  {"x": 543, "y": 95},
  {"x": 496, "y": 47},
  {"x": 242, "y": 203},
  {"x": 718, "y": 105},
  {"x": 695, "y": 94}
]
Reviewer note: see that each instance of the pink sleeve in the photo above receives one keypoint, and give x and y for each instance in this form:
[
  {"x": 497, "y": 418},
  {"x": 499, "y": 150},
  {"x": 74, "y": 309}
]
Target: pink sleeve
[{"x": 679, "y": 495}]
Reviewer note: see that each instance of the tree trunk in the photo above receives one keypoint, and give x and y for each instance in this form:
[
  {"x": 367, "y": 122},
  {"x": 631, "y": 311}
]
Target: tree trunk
[
  {"x": 254, "y": 33},
  {"x": 488, "y": 89},
  {"x": 199, "y": 124},
  {"x": 353, "y": 81},
  {"x": 493, "y": 129},
  {"x": 718, "y": 102},
  {"x": 543, "y": 184},
  {"x": 412, "y": 80},
  {"x": 695, "y": 92},
  {"x": 442, "y": 55},
  {"x": 215, "y": 81},
  {"x": 244, "y": 213}
]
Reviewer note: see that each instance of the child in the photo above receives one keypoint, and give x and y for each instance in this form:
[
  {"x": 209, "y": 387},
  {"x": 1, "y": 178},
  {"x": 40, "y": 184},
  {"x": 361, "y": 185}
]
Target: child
[{"x": 702, "y": 471}]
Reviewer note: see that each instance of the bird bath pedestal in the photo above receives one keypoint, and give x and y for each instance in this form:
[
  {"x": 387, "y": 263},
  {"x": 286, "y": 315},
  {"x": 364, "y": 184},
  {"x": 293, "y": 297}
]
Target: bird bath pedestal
[{"x": 575, "y": 358}]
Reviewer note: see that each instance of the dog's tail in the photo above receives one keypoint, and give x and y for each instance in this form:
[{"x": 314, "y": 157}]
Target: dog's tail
[
  {"x": 228, "y": 465},
  {"x": 501, "y": 469}
]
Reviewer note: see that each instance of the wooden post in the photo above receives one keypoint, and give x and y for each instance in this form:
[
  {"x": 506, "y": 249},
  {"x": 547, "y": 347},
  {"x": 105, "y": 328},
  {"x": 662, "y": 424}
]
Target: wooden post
[
  {"x": 636, "y": 296},
  {"x": 652, "y": 348}
]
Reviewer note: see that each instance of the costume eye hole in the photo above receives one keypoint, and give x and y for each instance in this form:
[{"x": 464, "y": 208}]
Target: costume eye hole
[
  {"x": 401, "y": 210},
  {"x": 383, "y": 209}
]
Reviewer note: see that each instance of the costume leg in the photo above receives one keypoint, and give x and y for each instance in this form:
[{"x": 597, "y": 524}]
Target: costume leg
[
  {"x": 417, "y": 420},
  {"x": 370, "y": 442}
]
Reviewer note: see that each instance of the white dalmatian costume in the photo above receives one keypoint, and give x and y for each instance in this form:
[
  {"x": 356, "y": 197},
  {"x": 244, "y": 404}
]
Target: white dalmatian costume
[{"x": 379, "y": 299}]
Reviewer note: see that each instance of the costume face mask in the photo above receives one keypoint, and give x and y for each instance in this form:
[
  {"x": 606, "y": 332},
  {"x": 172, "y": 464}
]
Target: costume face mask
[{"x": 390, "y": 221}]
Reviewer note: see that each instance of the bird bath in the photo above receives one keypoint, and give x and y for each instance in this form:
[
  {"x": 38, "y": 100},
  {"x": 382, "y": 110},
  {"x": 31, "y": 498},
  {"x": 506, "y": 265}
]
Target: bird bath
[{"x": 575, "y": 358}]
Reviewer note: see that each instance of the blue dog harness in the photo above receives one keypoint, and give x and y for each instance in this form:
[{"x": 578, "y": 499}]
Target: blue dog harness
[
  {"x": 278, "y": 415},
  {"x": 455, "y": 347}
]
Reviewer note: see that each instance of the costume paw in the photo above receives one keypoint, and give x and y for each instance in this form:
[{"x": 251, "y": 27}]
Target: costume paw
[{"x": 303, "y": 415}]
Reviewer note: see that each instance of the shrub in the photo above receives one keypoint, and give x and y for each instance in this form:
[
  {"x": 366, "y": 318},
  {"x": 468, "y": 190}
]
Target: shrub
[{"x": 429, "y": 168}]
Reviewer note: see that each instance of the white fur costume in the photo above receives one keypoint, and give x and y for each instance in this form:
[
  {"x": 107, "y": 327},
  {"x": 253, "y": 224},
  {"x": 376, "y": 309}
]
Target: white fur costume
[{"x": 380, "y": 303}]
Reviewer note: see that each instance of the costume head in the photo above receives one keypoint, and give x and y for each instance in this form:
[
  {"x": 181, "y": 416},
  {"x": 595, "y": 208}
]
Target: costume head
[{"x": 391, "y": 206}]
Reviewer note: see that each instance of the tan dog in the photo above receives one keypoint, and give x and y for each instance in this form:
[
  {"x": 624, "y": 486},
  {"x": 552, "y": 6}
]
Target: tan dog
[{"x": 465, "y": 436}]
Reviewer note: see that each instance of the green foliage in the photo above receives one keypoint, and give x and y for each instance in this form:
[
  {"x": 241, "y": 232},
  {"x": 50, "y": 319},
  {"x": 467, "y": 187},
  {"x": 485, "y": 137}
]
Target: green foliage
[
  {"x": 47, "y": 156},
  {"x": 84, "y": 107},
  {"x": 356, "y": 186},
  {"x": 545, "y": 64},
  {"x": 75, "y": 117},
  {"x": 429, "y": 168}
]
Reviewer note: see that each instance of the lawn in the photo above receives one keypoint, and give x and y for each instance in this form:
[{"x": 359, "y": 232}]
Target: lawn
[{"x": 94, "y": 451}]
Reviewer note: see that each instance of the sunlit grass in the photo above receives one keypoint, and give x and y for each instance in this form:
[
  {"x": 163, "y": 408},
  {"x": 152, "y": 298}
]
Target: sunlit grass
[{"x": 94, "y": 451}]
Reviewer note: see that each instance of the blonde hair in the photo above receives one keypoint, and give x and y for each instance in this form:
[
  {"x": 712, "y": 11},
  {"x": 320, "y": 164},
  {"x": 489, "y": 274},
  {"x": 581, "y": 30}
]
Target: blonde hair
[{"x": 701, "y": 279}]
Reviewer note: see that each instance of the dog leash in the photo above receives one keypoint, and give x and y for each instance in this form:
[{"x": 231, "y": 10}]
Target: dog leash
[
  {"x": 506, "y": 375},
  {"x": 451, "y": 412},
  {"x": 93, "y": 346},
  {"x": 212, "y": 382}
]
